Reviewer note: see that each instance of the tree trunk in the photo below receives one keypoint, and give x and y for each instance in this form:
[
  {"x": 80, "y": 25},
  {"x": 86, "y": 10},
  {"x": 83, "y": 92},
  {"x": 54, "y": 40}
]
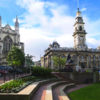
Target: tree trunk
[{"x": 14, "y": 73}]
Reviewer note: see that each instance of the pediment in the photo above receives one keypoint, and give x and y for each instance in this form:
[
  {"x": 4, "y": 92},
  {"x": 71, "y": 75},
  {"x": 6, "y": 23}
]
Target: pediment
[{"x": 7, "y": 27}]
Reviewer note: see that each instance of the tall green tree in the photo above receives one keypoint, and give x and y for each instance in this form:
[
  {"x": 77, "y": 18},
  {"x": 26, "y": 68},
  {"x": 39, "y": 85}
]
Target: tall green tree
[
  {"x": 59, "y": 61},
  {"x": 16, "y": 57},
  {"x": 28, "y": 61}
]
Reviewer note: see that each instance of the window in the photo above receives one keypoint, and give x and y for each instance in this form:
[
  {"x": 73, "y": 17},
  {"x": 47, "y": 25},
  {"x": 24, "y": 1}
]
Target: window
[
  {"x": 7, "y": 44},
  {"x": 80, "y": 28}
]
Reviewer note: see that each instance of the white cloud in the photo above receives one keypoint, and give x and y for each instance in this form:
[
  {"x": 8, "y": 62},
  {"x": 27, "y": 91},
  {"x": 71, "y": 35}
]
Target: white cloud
[
  {"x": 44, "y": 22},
  {"x": 83, "y": 9}
]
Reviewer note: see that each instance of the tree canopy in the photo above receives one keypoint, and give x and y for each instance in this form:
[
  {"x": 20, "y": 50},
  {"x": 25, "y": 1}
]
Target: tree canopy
[
  {"x": 28, "y": 61},
  {"x": 16, "y": 57},
  {"x": 59, "y": 61}
]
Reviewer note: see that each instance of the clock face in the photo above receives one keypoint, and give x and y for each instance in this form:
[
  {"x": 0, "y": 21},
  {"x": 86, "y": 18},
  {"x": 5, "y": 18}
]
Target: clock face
[{"x": 79, "y": 40}]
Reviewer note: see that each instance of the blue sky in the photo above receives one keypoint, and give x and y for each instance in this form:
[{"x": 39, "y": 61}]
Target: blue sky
[
  {"x": 43, "y": 21},
  {"x": 9, "y": 9}
]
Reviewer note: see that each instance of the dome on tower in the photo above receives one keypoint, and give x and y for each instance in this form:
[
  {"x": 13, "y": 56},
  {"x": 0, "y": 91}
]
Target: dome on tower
[
  {"x": 78, "y": 14},
  {"x": 55, "y": 44}
]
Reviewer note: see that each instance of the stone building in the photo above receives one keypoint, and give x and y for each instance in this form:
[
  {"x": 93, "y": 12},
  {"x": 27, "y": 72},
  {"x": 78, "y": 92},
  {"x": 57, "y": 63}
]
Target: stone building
[
  {"x": 8, "y": 37},
  {"x": 82, "y": 55}
]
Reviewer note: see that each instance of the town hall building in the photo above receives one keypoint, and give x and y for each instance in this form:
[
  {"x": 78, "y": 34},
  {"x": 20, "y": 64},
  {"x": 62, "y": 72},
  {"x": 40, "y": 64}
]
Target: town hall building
[
  {"x": 9, "y": 37},
  {"x": 81, "y": 55}
]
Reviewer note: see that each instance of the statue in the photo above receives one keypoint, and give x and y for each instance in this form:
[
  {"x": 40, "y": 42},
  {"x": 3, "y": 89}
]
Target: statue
[
  {"x": 69, "y": 64},
  {"x": 69, "y": 60}
]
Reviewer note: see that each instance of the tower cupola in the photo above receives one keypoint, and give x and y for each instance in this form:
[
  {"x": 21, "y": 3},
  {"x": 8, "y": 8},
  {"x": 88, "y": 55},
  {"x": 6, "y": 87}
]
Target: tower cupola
[
  {"x": 79, "y": 32},
  {"x": 78, "y": 14}
]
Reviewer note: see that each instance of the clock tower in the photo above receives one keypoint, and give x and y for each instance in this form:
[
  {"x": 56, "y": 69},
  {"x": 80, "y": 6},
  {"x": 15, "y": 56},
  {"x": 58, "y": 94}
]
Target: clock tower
[{"x": 79, "y": 33}]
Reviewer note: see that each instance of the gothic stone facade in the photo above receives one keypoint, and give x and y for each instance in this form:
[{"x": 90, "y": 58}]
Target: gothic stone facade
[
  {"x": 8, "y": 37},
  {"x": 80, "y": 53}
]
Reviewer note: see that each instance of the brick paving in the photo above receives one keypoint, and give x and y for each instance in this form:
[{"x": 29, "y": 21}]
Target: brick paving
[
  {"x": 45, "y": 92},
  {"x": 58, "y": 93},
  {"x": 41, "y": 92}
]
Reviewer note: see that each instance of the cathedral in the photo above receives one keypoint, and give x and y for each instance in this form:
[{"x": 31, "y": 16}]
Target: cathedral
[
  {"x": 82, "y": 56},
  {"x": 9, "y": 37}
]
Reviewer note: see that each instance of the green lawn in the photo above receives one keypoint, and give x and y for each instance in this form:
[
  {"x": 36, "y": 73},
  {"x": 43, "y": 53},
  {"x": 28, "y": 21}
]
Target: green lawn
[{"x": 91, "y": 92}]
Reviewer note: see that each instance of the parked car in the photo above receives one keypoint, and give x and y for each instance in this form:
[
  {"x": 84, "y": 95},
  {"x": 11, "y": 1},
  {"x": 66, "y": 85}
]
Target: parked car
[{"x": 5, "y": 69}]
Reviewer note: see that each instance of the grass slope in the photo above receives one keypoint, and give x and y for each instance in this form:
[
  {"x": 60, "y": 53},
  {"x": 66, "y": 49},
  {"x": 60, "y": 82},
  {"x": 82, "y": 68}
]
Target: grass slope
[{"x": 91, "y": 92}]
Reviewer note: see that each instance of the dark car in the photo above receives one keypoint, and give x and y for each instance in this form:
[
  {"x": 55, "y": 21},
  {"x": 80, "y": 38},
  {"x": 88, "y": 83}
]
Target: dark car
[{"x": 5, "y": 69}]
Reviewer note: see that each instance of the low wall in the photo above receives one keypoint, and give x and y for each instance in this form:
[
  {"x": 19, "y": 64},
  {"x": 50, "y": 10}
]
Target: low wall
[
  {"x": 15, "y": 96},
  {"x": 85, "y": 77}
]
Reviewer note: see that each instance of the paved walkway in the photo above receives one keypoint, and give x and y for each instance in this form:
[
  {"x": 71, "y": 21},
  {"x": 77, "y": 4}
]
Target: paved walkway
[
  {"x": 41, "y": 92},
  {"x": 45, "y": 92},
  {"x": 58, "y": 93}
]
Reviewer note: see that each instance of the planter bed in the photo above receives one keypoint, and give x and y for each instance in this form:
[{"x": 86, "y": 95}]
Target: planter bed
[
  {"x": 17, "y": 85},
  {"x": 26, "y": 95}
]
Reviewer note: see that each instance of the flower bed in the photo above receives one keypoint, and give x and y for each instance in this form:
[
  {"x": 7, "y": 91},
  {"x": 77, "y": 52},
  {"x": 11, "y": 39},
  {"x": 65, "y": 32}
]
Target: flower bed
[{"x": 16, "y": 85}]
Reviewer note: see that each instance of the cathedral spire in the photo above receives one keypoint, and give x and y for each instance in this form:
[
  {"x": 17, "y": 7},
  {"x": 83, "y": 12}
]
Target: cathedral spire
[{"x": 17, "y": 25}]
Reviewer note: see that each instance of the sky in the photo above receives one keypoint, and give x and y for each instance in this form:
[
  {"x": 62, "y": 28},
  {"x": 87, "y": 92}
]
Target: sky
[{"x": 45, "y": 21}]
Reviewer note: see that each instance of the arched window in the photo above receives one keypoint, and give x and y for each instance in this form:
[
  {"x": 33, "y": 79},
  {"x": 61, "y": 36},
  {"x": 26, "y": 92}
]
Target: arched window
[
  {"x": 7, "y": 44},
  {"x": 80, "y": 28},
  {"x": 94, "y": 58},
  {"x": 82, "y": 58},
  {"x": 89, "y": 58}
]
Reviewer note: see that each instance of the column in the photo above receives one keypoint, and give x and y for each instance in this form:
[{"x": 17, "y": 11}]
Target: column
[
  {"x": 52, "y": 65},
  {"x": 78, "y": 60},
  {"x": 87, "y": 62}
]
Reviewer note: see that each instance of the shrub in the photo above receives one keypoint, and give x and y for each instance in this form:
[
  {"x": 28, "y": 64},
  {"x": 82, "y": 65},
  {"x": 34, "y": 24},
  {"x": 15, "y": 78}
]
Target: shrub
[
  {"x": 31, "y": 78},
  {"x": 41, "y": 71}
]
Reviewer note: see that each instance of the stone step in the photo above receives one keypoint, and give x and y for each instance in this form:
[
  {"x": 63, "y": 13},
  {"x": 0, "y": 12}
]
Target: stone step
[
  {"x": 49, "y": 94},
  {"x": 31, "y": 87},
  {"x": 61, "y": 94},
  {"x": 45, "y": 91}
]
